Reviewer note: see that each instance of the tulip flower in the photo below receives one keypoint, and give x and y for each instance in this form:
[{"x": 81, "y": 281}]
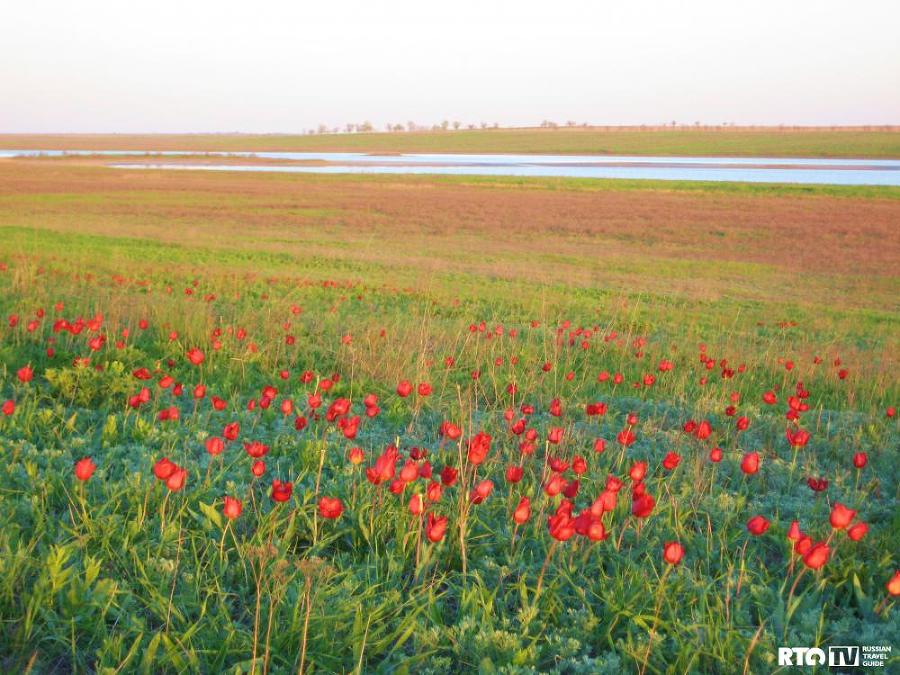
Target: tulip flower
[
  {"x": 841, "y": 516},
  {"x": 750, "y": 463},
  {"x": 435, "y": 527},
  {"x": 893, "y": 584},
  {"x": 84, "y": 468},
  {"x": 816, "y": 557},
  {"x": 857, "y": 531},
  {"x": 330, "y": 507},
  {"x": 673, "y": 552},
  {"x": 281, "y": 491},
  {"x": 176, "y": 481},
  {"x": 642, "y": 506},
  {"x": 757, "y": 525},
  {"x": 195, "y": 356},
  {"x": 164, "y": 468},
  {"x": 522, "y": 512},
  {"x": 214, "y": 445},
  {"x": 232, "y": 507}
]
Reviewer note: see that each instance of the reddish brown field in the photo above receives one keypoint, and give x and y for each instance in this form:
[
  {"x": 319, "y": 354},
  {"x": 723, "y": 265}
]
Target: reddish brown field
[{"x": 453, "y": 225}]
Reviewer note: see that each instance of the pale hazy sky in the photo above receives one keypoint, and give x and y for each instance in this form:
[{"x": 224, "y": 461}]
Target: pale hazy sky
[{"x": 265, "y": 66}]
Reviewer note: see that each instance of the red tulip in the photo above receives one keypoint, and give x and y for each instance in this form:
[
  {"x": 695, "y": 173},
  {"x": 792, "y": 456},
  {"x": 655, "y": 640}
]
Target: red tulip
[
  {"x": 281, "y": 492},
  {"x": 404, "y": 388},
  {"x": 626, "y": 437},
  {"x": 416, "y": 504},
  {"x": 448, "y": 476},
  {"x": 434, "y": 491},
  {"x": 357, "y": 456},
  {"x": 605, "y": 502},
  {"x": 596, "y": 531},
  {"x": 214, "y": 445},
  {"x": 231, "y": 431},
  {"x": 794, "y": 532},
  {"x": 479, "y": 446},
  {"x": 802, "y": 545},
  {"x": 673, "y": 552},
  {"x": 9, "y": 407},
  {"x": 579, "y": 465},
  {"x": 195, "y": 356},
  {"x": 554, "y": 435},
  {"x": 860, "y": 459},
  {"x": 798, "y": 438},
  {"x": 704, "y": 429},
  {"x": 435, "y": 528},
  {"x": 450, "y": 430},
  {"x": 514, "y": 474},
  {"x": 742, "y": 423},
  {"x": 817, "y": 555},
  {"x": 523, "y": 511},
  {"x": 256, "y": 449},
  {"x": 750, "y": 463},
  {"x": 330, "y": 507},
  {"x": 562, "y": 525},
  {"x": 638, "y": 471},
  {"x": 857, "y": 531},
  {"x": 176, "y": 481},
  {"x": 642, "y": 505},
  {"x": 84, "y": 468},
  {"x": 385, "y": 467},
  {"x": 893, "y": 584},
  {"x": 481, "y": 491},
  {"x": 841, "y": 516},
  {"x": 25, "y": 374},
  {"x": 409, "y": 472},
  {"x": 258, "y": 468},
  {"x": 164, "y": 468},
  {"x": 757, "y": 525},
  {"x": 232, "y": 508},
  {"x": 715, "y": 455},
  {"x": 671, "y": 460},
  {"x": 817, "y": 484}
]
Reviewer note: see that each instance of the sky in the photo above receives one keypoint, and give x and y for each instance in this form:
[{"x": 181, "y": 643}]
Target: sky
[{"x": 270, "y": 67}]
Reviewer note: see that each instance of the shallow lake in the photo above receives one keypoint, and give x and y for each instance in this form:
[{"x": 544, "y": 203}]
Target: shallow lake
[{"x": 733, "y": 169}]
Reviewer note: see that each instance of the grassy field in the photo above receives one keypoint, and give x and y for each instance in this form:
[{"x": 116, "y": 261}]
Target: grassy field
[
  {"x": 732, "y": 141},
  {"x": 304, "y": 305}
]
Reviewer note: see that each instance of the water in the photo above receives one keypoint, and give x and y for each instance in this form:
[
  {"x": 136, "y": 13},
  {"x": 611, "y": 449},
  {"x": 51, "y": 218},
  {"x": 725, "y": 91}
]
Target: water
[{"x": 733, "y": 169}]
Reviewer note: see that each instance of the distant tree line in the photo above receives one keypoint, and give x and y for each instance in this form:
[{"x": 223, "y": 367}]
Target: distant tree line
[{"x": 367, "y": 127}]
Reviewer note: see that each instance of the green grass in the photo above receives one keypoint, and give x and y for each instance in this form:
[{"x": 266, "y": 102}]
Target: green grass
[
  {"x": 118, "y": 574},
  {"x": 764, "y": 142}
]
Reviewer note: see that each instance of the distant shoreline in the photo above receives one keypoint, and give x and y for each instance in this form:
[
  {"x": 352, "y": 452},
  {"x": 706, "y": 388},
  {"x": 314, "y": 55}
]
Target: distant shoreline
[{"x": 864, "y": 142}]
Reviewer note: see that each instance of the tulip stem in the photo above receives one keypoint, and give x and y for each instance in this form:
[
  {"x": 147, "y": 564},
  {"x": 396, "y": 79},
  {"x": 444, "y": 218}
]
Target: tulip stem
[
  {"x": 318, "y": 483},
  {"x": 307, "y": 596},
  {"x": 540, "y": 582},
  {"x": 787, "y": 614},
  {"x": 222, "y": 542},
  {"x": 659, "y": 594}
]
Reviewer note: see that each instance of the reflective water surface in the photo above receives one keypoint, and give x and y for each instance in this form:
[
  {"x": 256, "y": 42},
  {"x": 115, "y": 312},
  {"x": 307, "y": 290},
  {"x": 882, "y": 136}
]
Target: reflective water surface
[{"x": 736, "y": 169}]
